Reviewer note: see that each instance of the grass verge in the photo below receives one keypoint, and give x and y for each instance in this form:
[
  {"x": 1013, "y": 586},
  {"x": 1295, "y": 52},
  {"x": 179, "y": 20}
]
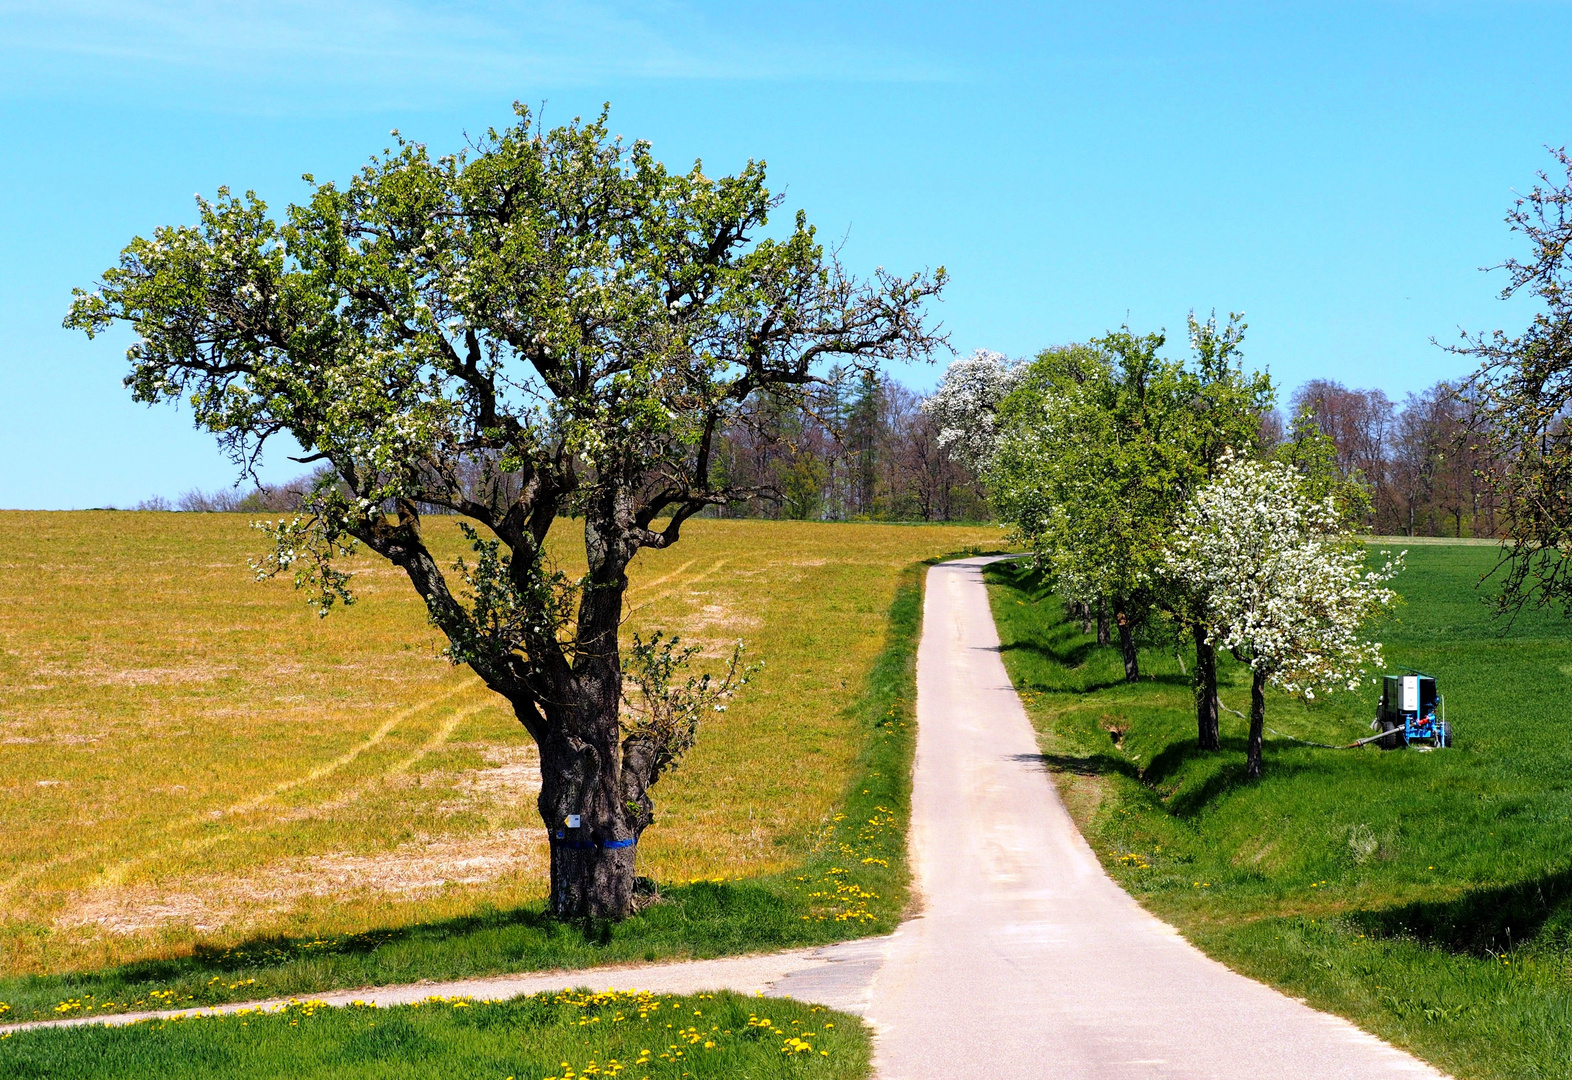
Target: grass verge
[
  {"x": 855, "y": 884},
  {"x": 1425, "y": 896},
  {"x": 566, "y": 1036}
]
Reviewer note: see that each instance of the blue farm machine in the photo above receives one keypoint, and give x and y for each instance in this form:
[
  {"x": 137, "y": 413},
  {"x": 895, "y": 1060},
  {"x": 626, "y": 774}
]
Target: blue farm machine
[{"x": 1411, "y": 712}]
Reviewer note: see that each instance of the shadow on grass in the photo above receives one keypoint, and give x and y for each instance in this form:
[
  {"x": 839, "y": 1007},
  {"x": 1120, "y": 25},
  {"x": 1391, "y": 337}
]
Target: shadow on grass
[
  {"x": 1062, "y": 653},
  {"x": 1061, "y": 642},
  {"x": 1202, "y": 777},
  {"x": 700, "y": 919},
  {"x": 1189, "y": 801},
  {"x": 1019, "y": 574},
  {"x": 1213, "y": 775},
  {"x": 1482, "y": 921},
  {"x": 1084, "y": 765},
  {"x": 694, "y": 921}
]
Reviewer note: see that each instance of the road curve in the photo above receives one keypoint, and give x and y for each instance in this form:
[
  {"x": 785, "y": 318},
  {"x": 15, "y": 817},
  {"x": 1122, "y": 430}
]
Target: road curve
[{"x": 1027, "y": 960}]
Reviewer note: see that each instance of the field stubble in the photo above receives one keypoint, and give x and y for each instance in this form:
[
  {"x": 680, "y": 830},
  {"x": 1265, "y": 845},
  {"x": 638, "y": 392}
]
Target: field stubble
[{"x": 188, "y": 756}]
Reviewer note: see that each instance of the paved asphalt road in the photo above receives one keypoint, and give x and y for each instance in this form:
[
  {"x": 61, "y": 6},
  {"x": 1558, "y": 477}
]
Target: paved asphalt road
[{"x": 1025, "y": 960}]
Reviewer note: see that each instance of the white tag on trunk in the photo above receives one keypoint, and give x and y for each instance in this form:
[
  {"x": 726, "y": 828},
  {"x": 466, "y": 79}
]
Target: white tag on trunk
[{"x": 573, "y": 821}]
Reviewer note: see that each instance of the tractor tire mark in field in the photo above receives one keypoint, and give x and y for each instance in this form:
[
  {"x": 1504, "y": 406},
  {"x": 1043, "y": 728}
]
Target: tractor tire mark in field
[
  {"x": 340, "y": 762},
  {"x": 115, "y": 874},
  {"x": 440, "y": 739},
  {"x": 643, "y": 586},
  {"x": 442, "y": 736},
  {"x": 686, "y": 583}
]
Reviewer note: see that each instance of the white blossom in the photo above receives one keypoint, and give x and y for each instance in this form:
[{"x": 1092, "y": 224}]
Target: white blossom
[
  {"x": 1284, "y": 583},
  {"x": 965, "y": 403}
]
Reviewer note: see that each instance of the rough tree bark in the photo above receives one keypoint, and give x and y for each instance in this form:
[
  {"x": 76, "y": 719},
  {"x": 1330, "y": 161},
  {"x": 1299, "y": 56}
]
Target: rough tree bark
[
  {"x": 1122, "y": 620},
  {"x": 1208, "y": 736},
  {"x": 595, "y": 779},
  {"x": 594, "y": 798},
  {"x": 1102, "y": 622},
  {"x": 1257, "y": 723}
]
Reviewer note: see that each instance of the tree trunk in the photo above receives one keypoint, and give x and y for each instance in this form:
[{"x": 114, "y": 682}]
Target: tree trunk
[
  {"x": 591, "y": 834},
  {"x": 1102, "y": 621},
  {"x": 593, "y": 787},
  {"x": 1086, "y": 618},
  {"x": 1207, "y": 734},
  {"x": 1257, "y": 722},
  {"x": 1132, "y": 666}
]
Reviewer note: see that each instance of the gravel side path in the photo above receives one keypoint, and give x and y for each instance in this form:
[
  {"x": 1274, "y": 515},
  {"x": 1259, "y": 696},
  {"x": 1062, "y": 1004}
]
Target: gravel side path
[{"x": 837, "y": 976}]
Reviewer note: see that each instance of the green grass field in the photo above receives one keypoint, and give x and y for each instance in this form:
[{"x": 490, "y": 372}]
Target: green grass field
[
  {"x": 1426, "y": 896},
  {"x": 545, "y": 1037},
  {"x": 211, "y": 795}
]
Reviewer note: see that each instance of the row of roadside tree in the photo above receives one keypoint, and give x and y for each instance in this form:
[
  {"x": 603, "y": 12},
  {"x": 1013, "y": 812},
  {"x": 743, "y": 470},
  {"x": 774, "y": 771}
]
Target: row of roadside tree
[{"x": 1154, "y": 497}]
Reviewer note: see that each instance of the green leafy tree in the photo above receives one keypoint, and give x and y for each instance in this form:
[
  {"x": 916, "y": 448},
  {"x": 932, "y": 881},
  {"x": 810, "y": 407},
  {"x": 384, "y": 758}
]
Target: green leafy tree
[
  {"x": 1225, "y": 407},
  {"x": 1522, "y": 399},
  {"x": 1092, "y": 446},
  {"x": 549, "y": 323}
]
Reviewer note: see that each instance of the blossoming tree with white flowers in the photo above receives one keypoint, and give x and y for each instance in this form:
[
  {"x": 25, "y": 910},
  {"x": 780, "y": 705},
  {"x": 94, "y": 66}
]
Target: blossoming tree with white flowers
[
  {"x": 1286, "y": 584},
  {"x": 549, "y": 324},
  {"x": 965, "y": 406}
]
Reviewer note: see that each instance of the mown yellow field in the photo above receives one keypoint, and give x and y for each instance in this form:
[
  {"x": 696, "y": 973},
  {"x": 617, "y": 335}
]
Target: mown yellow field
[{"x": 188, "y": 755}]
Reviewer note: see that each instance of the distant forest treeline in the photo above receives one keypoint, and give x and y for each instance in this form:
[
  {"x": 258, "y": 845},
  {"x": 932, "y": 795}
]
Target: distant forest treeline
[
  {"x": 861, "y": 448},
  {"x": 1421, "y": 460},
  {"x": 857, "y": 448}
]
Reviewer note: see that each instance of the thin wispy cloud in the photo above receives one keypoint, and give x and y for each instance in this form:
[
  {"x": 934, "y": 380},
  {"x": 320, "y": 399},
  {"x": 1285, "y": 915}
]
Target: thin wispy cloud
[{"x": 375, "y": 53}]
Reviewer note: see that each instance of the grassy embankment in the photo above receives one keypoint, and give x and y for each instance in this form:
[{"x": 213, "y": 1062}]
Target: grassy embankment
[
  {"x": 211, "y": 795},
  {"x": 571, "y": 1036},
  {"x": 1426, "y": 896}
]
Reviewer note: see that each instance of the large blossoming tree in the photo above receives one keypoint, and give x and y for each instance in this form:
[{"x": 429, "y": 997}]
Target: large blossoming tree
[
  {"x": 1285, "y": 583},
  {"x": 965, "y": 406},
  {"x": 548, "y": 324}
]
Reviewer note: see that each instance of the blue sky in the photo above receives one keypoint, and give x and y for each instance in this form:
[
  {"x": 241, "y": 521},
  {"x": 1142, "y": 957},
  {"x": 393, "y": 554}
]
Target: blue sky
[{"x": 1338, "y": 172}]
